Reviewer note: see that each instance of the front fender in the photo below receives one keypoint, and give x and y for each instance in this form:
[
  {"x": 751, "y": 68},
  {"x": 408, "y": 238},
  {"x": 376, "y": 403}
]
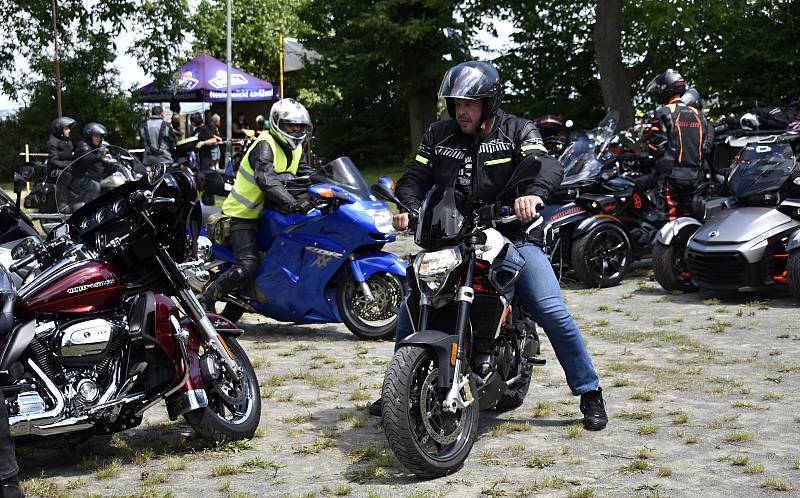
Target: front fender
[
  {"x": 674, "y": 227},
  {"x": 441, "y": 344},
  {"x": 368, "y": 264},
  {"x": 590, "y": 223}
]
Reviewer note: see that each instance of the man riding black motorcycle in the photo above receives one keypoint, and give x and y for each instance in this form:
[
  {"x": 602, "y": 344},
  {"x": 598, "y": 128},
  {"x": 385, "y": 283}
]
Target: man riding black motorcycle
[
  {"x": 680, "y": 140},
  {"x": 479, "y": 148},
  {"x": 273, "y": 158},
  {"x": 59, "y": 153},
  {"x": 92, "y": 164}
]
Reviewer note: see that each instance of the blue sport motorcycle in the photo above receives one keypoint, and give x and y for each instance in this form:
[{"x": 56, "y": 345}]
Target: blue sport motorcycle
[{"x": 324, "y": 266}]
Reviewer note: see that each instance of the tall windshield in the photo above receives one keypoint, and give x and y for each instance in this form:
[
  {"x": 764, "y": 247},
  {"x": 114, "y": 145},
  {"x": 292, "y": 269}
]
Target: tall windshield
[
  {"x": 761, "y": 169},
  {"x": 580, "y": 159},
  {"x": 95, "y": 170},
  {"x": 343, "y": 173}
]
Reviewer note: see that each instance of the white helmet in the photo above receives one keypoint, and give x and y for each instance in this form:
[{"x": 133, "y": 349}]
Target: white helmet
[{"x": 288, "y": 111}]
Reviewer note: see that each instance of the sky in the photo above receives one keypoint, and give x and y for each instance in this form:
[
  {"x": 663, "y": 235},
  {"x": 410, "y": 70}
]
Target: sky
[{"x": 131, "y": 74}]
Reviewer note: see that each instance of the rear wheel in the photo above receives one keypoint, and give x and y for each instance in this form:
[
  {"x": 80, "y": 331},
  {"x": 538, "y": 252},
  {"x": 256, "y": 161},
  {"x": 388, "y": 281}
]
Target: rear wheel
[
  {"x": 669, "y": 264},
  {"x": 601, "y": 258},
  {"x": 375, "y": 318},
  {"x": 234, "y": 409},
  {"x": 793, "y": 269},
  {"x": 428, "y": 441}
]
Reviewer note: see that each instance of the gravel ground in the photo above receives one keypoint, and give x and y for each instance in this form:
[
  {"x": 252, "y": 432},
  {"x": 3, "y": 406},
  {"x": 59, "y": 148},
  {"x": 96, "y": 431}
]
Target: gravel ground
[{"x": 702, "y": 392}]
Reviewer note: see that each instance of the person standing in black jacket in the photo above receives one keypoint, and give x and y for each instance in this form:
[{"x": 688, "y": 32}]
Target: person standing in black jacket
[
  {"x": 59, "y": 156},
  {"x": 481, "y": 149}
]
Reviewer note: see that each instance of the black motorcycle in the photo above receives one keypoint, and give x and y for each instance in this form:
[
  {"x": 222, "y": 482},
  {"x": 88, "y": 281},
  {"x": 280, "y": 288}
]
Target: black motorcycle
[{"x": 473, "y": 347}]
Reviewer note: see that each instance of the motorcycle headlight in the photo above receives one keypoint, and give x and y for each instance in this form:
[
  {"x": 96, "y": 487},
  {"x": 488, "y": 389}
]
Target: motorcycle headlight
[
  {"x": 382, "y": 218},
  {"x": 432, "y": 268}
]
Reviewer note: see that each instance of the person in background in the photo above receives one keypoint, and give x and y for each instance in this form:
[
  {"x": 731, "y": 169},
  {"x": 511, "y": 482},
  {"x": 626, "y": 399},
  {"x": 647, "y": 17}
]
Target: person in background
[
  {"x": 59, "y": 155},
  {"x": 239, "y": 126},
  {"x": 214, "y": 122},
  {"x": 91, "y": 163},
  {"x": 205, "y": 142},
  {"x": 157, "y": 138},
  {"x": 261, "y": 124},
  {"x": 175, "y": 128}
]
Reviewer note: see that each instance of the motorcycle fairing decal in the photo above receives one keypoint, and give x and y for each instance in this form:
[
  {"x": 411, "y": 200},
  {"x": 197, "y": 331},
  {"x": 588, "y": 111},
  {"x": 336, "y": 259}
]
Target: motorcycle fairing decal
[
  {"x": 94, "y": 285},
  {"x": 323, "y": 256}
]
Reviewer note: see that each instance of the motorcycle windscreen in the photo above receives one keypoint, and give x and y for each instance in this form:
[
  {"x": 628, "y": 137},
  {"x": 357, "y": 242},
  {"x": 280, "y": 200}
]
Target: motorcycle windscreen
[
  {"x": 579, "y": 162},
  {"x": 343, "y": 173},
  {"x": 442, "y": 219},
  {"x": 761, "y": 169},
  {"x": 94, "y": 172}
]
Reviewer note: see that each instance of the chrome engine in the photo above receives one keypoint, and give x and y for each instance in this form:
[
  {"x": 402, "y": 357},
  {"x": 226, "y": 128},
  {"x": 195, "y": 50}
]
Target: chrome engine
[{"x": 85, "y": 338}]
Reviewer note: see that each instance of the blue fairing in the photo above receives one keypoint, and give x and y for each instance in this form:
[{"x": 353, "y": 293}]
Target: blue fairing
[{"x": 305, "y": 262}]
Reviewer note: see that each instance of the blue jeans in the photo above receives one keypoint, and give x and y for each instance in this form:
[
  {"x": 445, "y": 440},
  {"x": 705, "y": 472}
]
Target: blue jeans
[{"x": 540, "y": 293}]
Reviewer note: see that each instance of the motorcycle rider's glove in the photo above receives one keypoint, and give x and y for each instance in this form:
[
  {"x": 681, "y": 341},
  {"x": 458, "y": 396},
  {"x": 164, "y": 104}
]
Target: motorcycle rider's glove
[{"x": 303, "y": 207}]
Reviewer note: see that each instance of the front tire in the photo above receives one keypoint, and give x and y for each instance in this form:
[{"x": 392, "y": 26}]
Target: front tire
[
  {"x": 372, "y": 320},
  {"x": 670, "y": 268},
  {"x": 793, "y": 269},
  {"x": 224, "y": 419},
  {"x": 601, "y": 258},
  {"x": 428, "y": 442}
]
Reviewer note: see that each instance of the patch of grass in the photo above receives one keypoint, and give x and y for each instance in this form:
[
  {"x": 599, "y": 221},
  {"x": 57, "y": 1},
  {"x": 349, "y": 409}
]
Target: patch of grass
[
  {"x": 718, "y": 326},
  {"x": 109, "y": 470},
  {"x": 489, "y": 457},
  {"x": 644, "y": 396},
  {"x": 360, "y": 395},
  {"x": 747, "y": 404},
  {"x": 581, "y": 493},
  {"x": 39, "y": 486},
  {"x": 225, "y": 470},
  {"x": 371, "y": 473},
  {"x": 76, "y": 483},
  {"x": 664, "y": 471},
  {"x": 634, "y": 414},
  {"x": 259, "y": 363},
  {"x": 604, "y": 307},
  {"x": 680, "y": 419},
  {"x": 739, "y": 436},
  {"x": 602, "y": 323},
  {"x": 363, "y": 453},
  {"x": 740, "y": 460},
  {"x": 634, "y": 466},
  {"x": 317, "y": 446},
  {"x": 647, "y": 429},
  {"x": 776, "y": 484},
  {"x": 644, "y": 453},
  {"x": 231, "y": 447},
  {"x": 507, "y": 428},
  {"x": 569, "y": 413},
  {"x": 621, "y": 382},
  {"x": 176, "y": 463},
  {"x": 343, "y": 491},
  {"x": 540, "y": 462},
  {"x": 692, "y": 439},
  {"x": 772, "y": 396},
  {"x": 711, "y": 301},
  {"x": 322, "y": 381},
  {"x": 575, "y": 431},
  {"x": 155, "y": 478},
  {"x": 297, "y": 419},
  {"x": 753, "y": 469},
  {"x": 796, "y": 463},
  {"x": 723, "y": 421},
  {"x": 542, "y": 409},
  {"x": 556, "y": 482}
]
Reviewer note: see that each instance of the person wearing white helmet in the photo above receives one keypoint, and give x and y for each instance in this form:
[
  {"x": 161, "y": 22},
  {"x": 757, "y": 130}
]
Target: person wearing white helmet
[{"x": 273, "y": 158}]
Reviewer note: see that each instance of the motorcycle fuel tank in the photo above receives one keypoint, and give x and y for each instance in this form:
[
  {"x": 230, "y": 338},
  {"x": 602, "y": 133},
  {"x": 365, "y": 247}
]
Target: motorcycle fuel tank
[{"x": 74, "y": 287}]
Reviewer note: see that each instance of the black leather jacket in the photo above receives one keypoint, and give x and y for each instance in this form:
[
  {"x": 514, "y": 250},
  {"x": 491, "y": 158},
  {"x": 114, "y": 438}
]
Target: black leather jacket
[
  {"x": 271, "y": 183},
  {"x": 92, "y": 165},
  {"x": 513, "y": 145},
  {"x": 59, "y": 152}
]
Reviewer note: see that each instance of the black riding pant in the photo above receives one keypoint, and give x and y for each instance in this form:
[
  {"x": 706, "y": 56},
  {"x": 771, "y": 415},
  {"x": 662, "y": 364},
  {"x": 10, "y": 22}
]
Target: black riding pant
[
  {"x": 8, "y": 459},
  {"x": 675, "y": 198},
  {"x": 245, "y": 248}
]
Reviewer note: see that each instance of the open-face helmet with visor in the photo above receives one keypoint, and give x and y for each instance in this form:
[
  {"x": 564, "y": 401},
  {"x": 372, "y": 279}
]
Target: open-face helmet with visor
[
  {"x": 59, "y": 124},
  {"x": 287, "y": 111},
  {"x": 472, "y": 80}
]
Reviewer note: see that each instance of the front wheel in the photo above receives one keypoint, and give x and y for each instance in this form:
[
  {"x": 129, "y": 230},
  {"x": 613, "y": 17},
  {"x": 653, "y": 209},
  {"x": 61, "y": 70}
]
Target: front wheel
[
  {"x": 375, "y": 318},
  {"x": 234, "y": 409},
  {"x": 793, "y": 269},
  {"x": 669, "y": 266},
  {"x": 428, "y": 441},
  {"x": 601, "y": 258}
]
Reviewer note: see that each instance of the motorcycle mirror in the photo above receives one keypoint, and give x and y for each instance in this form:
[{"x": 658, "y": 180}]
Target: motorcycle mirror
[
  {"x": 387, "y": 181},
  {"x": 25, "y": 247},
  {"x": 19, "y": 183},
  {"x": 156, "y": 172},
  {"x": 384, "y": 193}
]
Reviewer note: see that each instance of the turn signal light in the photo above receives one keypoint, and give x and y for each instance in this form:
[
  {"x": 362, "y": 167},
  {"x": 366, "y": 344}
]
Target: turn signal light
[{"x": 453, "y": 354}]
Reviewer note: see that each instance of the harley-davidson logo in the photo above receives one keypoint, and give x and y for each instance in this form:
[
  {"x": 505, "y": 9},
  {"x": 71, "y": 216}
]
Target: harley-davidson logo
[
  {"x": 713, "y": 233},
  {"x": 95, "y": 285}
]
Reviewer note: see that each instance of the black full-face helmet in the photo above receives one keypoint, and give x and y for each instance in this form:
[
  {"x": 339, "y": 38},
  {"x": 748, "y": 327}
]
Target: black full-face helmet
[
  {"x": 665, "y": 85},
  {"x": 443, "y": 219},
  {"x": 59, "y": 124},
  {"x": 472, "y": 80}
]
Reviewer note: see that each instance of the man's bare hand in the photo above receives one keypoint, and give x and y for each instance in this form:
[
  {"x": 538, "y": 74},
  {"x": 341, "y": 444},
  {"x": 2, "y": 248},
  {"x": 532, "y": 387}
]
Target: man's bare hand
[
  {"x": 400, "y": 221},
  {"x": 525, "y": 207}
]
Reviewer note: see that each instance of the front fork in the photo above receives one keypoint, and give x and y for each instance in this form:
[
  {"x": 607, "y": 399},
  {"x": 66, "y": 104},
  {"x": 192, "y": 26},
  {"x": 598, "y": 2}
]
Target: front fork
[{"x": 464, "y": 296}]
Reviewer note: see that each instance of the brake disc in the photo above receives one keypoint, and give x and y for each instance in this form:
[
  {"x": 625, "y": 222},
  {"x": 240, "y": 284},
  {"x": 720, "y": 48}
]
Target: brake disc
[
  {"x": 440, "y": 435},
  {"x": 384, "y": 292},
  {"x": 215, "y": 380}
]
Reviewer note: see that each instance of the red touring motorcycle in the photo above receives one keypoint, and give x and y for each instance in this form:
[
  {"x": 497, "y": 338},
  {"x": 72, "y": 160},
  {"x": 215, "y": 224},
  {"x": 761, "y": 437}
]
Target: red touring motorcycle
[{"x": 96, "y": 339}]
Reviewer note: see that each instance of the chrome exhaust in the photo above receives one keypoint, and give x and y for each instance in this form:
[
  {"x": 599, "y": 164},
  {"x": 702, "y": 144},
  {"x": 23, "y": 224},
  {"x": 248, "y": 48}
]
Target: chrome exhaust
[{"x": 30, "y": 423}]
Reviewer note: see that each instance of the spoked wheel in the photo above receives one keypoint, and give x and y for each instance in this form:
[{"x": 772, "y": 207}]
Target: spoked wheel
[
  {"x": 428, "y": 441},
  {"x": 669, "y": 264},
  {"x": 601, "y": 258},
  {"x": 376, "y": 318},
  {"x": 234, "y": 408}
]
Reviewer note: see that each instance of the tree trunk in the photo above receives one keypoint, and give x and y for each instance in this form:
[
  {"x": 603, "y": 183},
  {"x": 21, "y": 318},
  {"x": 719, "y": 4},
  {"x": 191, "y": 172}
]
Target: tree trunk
[
  {"x": 421, "y": 113},
  {"x": 615, "y": 77}
]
